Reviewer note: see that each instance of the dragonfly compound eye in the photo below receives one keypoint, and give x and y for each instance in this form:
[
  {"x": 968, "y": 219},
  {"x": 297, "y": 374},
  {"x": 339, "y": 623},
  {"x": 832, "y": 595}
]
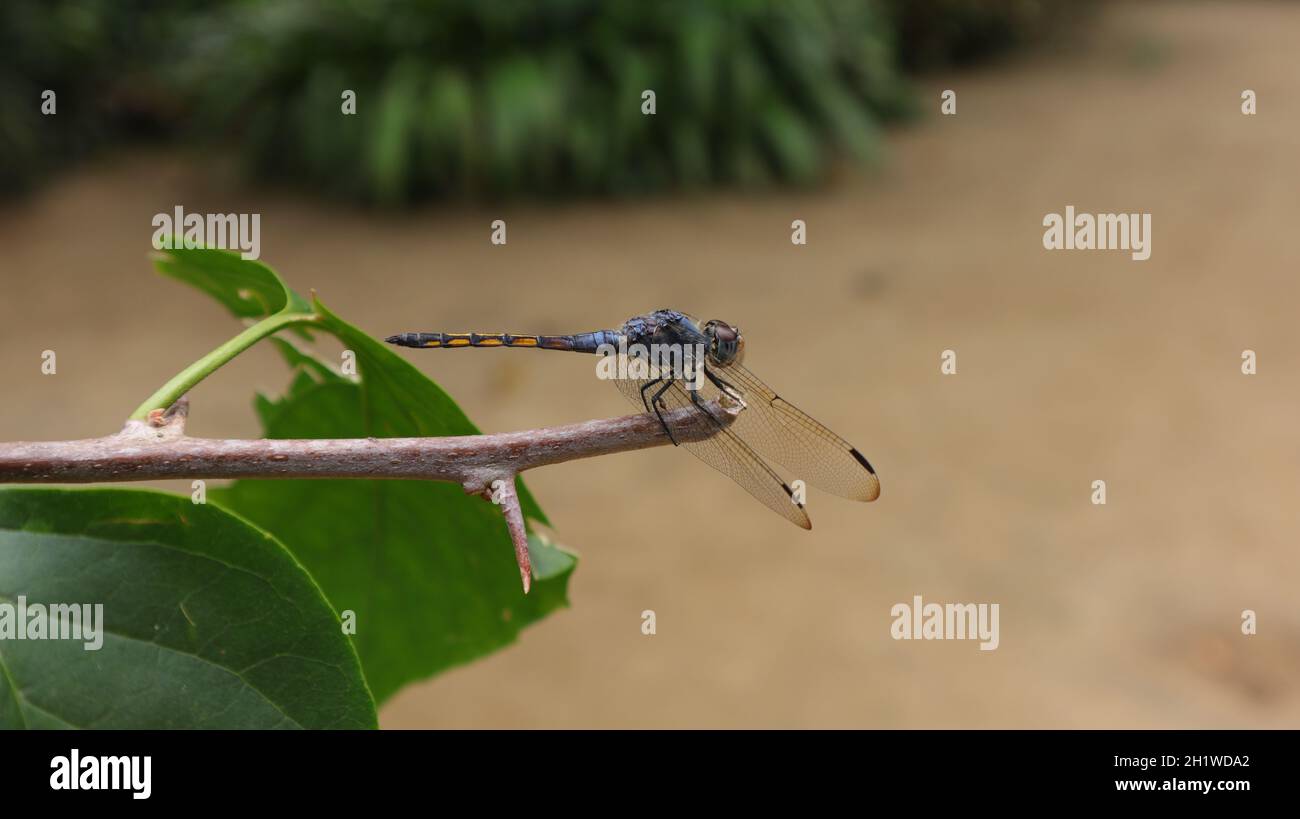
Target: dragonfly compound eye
[{"x": 726, "y": 345}]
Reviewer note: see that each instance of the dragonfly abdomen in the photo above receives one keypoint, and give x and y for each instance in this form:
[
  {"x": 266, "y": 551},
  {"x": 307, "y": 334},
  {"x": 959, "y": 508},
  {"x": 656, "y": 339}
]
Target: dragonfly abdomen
[{"x": 578, "y": 343}]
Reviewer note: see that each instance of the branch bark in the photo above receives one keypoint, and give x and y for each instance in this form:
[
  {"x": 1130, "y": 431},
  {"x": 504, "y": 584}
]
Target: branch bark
[{"x": 157, "y": 448}]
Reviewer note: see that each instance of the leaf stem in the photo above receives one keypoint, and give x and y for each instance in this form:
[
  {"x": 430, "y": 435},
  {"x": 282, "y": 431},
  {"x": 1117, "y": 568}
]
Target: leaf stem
[{"x": 185, "y": 380}]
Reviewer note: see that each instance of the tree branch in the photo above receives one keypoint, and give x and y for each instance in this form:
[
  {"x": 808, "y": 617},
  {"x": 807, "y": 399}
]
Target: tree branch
[{"x": 157, "y": 448}]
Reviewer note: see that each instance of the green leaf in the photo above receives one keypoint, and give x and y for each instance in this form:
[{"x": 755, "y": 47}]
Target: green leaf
[
  {"x": 207, "y": 621},
  {"x": 247, "y": 288},
  {"x": 428, "y": 570}
]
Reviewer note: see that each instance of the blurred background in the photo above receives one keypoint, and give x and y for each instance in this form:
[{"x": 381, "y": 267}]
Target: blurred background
[{"x": 924, "y": 234}]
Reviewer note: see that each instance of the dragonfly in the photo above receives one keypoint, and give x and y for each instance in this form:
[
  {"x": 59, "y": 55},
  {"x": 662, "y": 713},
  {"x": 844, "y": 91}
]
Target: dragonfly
[{"x": 703, "y": 368}]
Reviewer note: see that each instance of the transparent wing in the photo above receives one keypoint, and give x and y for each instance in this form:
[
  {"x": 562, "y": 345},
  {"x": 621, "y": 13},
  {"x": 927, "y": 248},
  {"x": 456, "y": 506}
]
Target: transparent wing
[
  {"x": 782, "y": 432},
  {"x": 725, "y": 451}
]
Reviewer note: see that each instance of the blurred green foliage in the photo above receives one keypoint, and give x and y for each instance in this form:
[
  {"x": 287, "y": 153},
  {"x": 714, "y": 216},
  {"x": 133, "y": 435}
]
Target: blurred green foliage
[
  {"x": 462, "y": 98},
  {"x": 457, "y": 96},
  {"x": 102, "y": 58},
  {"x": 938, "y": 33}
]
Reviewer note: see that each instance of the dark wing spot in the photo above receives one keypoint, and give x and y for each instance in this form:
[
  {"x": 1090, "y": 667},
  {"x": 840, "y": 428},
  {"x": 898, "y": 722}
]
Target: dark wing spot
[
  {"x": 862, "y": 461},
  {"x": 790, "y": 492}
]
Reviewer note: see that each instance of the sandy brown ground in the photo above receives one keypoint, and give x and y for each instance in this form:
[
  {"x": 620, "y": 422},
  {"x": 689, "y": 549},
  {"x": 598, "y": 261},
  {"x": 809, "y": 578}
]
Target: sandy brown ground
[{"x": 1072, "y": 367}]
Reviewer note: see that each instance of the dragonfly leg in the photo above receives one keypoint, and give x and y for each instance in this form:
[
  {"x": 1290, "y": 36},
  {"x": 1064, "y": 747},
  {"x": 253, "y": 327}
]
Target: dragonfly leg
[
  {"x": 700, "y": 405},
  {"x": 722, "y": 384},
  {"x": 657, "y": 402},
  {"x": 652, "y": 405},
  {"x": 647, "y": 385}
]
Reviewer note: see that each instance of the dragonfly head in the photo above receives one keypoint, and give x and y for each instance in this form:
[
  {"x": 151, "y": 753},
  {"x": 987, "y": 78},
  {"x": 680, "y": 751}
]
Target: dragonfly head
[{"x": 726, "y": 344}]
